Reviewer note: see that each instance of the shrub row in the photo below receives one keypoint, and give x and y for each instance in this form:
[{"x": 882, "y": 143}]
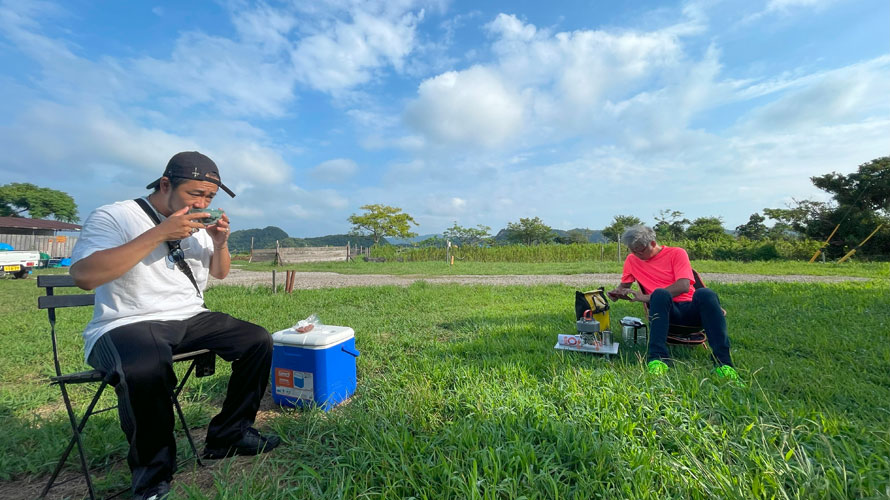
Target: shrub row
[{"x": 729, "y": 249}]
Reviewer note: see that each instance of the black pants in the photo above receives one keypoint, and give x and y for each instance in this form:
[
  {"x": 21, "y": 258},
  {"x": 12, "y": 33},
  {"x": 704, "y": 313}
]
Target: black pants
[
  {"x": 141, "y": 354},
  {"x": 703, "y": 310}
]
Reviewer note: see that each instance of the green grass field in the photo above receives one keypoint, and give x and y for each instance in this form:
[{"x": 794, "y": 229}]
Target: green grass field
[
  {"x": 461, "y": 395},
  {"x": 862, "y": 269}
]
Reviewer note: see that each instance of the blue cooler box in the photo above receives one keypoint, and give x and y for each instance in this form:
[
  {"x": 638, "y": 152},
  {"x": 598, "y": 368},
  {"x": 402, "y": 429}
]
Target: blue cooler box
[{"x": 315, "y": 368}]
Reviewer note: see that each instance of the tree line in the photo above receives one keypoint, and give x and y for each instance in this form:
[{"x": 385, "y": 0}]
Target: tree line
[{"x": 859, "y": 212}]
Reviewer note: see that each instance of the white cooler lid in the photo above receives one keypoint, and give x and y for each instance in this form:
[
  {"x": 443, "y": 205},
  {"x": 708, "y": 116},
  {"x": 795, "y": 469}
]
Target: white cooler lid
[{"x": 320, "y": 336}]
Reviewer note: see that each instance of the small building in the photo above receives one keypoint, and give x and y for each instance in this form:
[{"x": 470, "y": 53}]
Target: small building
[{"x": 51, "y": 237}]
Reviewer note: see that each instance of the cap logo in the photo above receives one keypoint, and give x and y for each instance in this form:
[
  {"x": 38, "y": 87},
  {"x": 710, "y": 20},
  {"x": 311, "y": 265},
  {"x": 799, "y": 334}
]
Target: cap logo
[{"x": 195, "y": 173}]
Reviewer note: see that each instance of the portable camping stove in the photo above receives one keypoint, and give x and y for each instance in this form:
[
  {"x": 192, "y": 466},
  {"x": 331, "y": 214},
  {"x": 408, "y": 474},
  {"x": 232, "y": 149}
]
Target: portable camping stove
[{"x": 589, "y": 338}]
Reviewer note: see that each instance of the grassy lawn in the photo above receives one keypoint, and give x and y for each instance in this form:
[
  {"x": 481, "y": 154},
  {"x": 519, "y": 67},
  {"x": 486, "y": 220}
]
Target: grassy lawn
[
  {"x": 864, "y": 269},
  {"x": 461, "y": 395}
]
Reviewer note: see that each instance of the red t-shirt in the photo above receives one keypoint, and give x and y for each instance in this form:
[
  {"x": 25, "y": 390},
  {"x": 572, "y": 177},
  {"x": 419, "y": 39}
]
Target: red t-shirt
[{"x": 661, "y": 271}]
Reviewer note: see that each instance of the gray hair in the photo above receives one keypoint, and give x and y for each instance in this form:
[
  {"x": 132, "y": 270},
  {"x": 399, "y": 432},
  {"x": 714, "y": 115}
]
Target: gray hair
[{"x": 637, "y": 236}]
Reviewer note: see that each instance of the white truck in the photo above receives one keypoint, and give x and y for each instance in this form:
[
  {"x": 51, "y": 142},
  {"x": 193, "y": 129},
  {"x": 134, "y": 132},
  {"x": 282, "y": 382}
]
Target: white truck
[{"x": 18, "y": 262}]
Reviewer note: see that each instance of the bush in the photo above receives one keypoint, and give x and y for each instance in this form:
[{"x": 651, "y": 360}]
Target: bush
[{"x": 741, "y": 249}]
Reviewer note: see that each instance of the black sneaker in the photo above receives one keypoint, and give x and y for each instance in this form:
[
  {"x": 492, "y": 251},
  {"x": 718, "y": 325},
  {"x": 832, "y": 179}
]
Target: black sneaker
[
  {"x": 251, "y": 443},
  {"x": 156, "y": 492}
]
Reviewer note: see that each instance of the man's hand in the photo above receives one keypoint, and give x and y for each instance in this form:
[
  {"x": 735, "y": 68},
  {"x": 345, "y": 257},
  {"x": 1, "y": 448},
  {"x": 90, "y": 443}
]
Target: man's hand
[
  {"x": 219, "y": 231},
  {"x": 621, "y": 293},
  {"x": 221, "y": 260},
  {"x": 180, "y": 225},
  {"x": 109, "y": 264},
  {"x": 639, "y": 297}
]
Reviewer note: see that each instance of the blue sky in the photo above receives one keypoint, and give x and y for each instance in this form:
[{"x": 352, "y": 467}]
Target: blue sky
[{"x": 467, "y": 112}]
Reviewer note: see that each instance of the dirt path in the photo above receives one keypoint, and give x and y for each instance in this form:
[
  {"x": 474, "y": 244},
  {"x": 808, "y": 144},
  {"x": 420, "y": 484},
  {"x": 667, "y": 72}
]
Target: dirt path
[{"x": 310, "y": 280}]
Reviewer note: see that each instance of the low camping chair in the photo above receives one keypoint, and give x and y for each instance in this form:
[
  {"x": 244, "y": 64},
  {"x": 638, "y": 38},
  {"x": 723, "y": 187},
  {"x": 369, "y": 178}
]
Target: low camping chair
[
  {"x": 683, "y": 334},
  {"x": 202, "y": 363}
]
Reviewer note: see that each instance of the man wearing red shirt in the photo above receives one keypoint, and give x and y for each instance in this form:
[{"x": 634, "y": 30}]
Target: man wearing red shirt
[{"x": 666, "y": 271}]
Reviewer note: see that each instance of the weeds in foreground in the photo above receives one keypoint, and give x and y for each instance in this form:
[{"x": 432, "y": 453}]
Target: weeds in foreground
[{"x": 461, "y": 395}]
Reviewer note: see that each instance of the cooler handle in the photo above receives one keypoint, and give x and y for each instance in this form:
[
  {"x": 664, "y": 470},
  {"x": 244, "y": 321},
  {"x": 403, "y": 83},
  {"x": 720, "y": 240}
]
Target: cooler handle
[{"x": 353, "y": 352}]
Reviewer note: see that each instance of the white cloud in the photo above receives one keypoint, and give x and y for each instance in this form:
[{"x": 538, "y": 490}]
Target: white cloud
[
  {"x": 238, "y": 78},
  {"x": 336, "y": 170},
  {"x": 544, "y": 86},
  {"x": 331, "y": 48},
  {"x": 442, "y": 208},
  {"x": 80, "y": 149},
  {"x": 786, "y": 8},
  {"x": 299, "y": 212},
  {"x": 61, "y": 137},
  {"x": 474, "y": 106},
  {"x": 244, "y": 212},
  {"x": 345, "y": 54},
  {"x": 534, "y": 122},
  {"x": 838, "y": 96},
  {"x": 320, "y": 204},
  {"x": 785, "y": 5}
]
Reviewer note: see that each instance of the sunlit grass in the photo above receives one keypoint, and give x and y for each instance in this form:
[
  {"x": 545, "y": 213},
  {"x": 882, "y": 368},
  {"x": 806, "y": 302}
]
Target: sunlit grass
[
  {"x": 861, "y": 269},
  {"x": 461, "y": 395}
]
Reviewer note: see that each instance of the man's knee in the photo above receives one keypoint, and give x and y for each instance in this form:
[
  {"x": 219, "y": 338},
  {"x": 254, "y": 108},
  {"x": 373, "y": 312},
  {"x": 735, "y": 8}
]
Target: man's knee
[
  {"x": 706, "y": 296},
  {"x": 258, "y": 337},
  {"x": 149, "y": 371},
  {"x": 659, "y": 304},
  {"x": 660, "y": 295}
]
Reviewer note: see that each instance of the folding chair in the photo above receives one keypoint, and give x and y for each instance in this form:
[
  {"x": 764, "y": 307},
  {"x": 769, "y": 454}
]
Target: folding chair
[
  {"x": 683, "y": 334},
  {"x": 202, "y": 363}
]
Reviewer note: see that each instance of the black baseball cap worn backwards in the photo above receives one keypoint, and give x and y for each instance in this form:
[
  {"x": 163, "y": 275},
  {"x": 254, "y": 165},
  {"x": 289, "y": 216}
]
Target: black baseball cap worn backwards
[{"x": 192, "y": 165}]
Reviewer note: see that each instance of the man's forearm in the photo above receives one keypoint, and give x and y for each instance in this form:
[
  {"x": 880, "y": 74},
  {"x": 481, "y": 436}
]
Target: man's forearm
[
  {"x": 221, "y": 262},
  {"x": 107, "y": 265},
  {"x": 678, "y": 287}
]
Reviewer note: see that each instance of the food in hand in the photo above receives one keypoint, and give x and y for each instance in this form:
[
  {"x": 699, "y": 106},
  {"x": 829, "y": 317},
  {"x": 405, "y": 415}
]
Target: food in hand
[{"x": 215, "y": 214}]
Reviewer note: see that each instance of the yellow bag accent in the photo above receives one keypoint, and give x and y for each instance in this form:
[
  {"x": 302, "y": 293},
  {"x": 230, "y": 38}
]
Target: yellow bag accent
[{"x": 595, "y": 301}]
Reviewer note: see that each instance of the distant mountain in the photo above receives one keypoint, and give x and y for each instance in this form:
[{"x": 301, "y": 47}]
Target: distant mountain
[
  {"x": 593, "y": 235},
  {"x": 239, "y": 241},
  {"x": 408, "y": 241},
  {"x": 331, "y": 240}
]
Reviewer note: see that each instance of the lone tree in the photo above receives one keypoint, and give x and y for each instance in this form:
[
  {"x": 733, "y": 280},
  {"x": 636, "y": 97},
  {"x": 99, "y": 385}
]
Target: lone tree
[
  {"x": 529, "y": 231},
  {"x": 618, "y": 225},
  {"x": 38, "y": 202},
  {"x": 861, "y": 202},
  {"x": 380, "y": 221},
  {"x": 670, "y": 225},
  {"x": 754, "y": 229},
  {"x": 468, "y": 236},
  {"x": 706, "y": 228}
]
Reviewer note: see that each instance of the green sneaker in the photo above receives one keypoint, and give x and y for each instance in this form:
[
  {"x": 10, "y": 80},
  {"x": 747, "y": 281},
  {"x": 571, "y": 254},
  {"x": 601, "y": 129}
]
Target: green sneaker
[
  {"x": 658, "y": 367},
  {"x": 729, "y": 372}
]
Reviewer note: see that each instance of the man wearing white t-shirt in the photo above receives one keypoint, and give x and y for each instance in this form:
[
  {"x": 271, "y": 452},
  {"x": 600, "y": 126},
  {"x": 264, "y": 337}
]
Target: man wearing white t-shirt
[{"x": 149, "y": 266}]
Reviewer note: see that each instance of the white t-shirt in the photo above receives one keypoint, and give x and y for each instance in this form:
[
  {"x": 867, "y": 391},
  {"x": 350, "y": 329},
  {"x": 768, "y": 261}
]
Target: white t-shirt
[{"x": 154, "y": 289}]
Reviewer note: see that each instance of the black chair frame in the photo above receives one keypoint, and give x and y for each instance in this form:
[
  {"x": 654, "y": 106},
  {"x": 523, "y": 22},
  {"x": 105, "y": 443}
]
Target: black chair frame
[{"x": 202, "y": 363}]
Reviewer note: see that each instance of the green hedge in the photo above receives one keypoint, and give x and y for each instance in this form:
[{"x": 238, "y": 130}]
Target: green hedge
[{"x": 729, "y": 249}]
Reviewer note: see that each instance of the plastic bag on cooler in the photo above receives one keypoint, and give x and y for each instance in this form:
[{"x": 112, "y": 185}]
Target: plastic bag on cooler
[{"x": 306, "y": 325}]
